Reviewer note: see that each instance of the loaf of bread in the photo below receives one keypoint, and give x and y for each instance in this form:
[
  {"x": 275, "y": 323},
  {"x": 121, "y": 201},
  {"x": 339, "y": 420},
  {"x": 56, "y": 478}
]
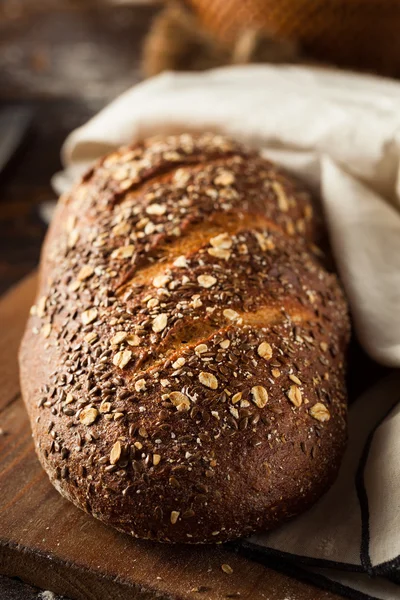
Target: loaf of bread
[{"x": 183, "y": 365}]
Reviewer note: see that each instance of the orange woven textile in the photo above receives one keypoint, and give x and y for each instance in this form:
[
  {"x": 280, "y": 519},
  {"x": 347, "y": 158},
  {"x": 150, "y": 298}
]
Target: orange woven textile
[{"x": 362, "y": 34}]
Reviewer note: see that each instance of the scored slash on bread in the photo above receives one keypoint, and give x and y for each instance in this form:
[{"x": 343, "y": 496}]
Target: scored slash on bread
[{"x": 183, "y": 366}]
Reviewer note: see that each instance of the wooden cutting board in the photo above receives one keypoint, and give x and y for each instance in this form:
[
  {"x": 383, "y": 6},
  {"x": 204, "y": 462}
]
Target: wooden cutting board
[{"x": 46, "y": 541}]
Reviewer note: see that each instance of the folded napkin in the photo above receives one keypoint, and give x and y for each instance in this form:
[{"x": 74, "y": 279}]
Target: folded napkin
[{"x": 341, "y": 133}]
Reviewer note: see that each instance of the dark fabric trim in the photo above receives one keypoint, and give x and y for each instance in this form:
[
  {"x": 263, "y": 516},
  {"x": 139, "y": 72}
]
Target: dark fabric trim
[
  {"x": 289, "y": 568},
  {"x": 304, "y": 560},
  {"x": 385, "y": 568}
]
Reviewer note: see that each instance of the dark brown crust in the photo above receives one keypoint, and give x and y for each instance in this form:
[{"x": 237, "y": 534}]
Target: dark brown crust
[{"x": 189, "y": 387}]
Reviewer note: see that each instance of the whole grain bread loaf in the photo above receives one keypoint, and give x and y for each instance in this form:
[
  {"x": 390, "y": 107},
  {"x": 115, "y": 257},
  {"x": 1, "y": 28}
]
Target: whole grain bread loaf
[{"x": 183, "y": 365}]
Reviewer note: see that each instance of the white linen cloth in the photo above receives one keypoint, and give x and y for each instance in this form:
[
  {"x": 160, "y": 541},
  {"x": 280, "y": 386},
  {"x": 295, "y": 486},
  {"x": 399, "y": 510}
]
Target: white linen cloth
[{"x": 341, "y": 133}]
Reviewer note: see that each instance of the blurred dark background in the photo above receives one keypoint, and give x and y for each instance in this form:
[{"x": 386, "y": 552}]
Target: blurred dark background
[{"x": 61, "y": 61}]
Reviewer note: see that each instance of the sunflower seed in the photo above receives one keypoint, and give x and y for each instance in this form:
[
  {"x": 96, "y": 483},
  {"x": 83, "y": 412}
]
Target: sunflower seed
[{"x": 115, "y": 453}]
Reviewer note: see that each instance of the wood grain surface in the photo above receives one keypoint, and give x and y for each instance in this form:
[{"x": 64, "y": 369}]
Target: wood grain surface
[{"x": 46, "y": 541}]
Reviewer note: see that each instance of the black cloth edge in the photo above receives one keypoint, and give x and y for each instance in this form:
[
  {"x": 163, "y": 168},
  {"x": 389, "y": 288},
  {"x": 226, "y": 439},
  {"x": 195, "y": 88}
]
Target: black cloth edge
[
  {"x": 304, "y": 560},
  {"x": 292, "y": 570},
  {"x": 383, "y": 568}
]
